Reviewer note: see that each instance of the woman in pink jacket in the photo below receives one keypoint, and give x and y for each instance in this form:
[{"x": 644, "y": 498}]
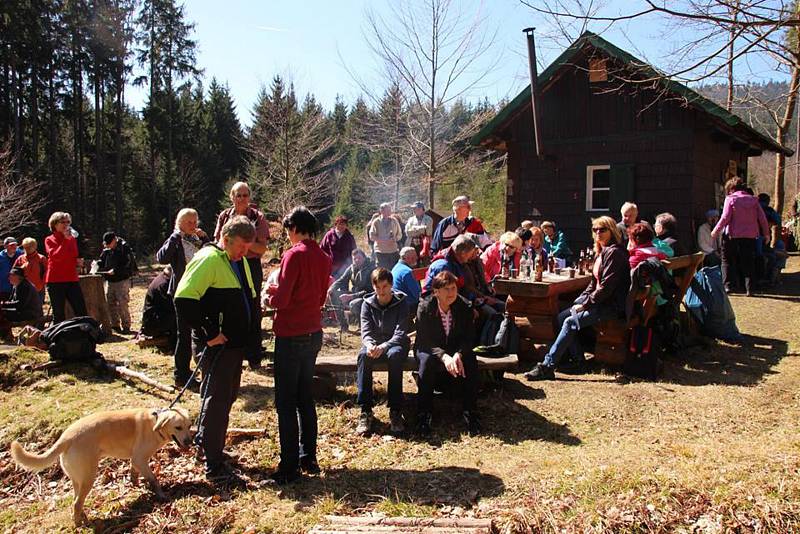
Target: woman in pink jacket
[
  {"x": 505, "y": 252},
  {"x": 742, "y": 220}
]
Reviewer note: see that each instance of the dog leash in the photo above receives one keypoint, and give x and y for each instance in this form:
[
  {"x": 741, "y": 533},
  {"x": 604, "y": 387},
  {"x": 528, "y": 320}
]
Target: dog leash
[{"x": 191, "y": 378}]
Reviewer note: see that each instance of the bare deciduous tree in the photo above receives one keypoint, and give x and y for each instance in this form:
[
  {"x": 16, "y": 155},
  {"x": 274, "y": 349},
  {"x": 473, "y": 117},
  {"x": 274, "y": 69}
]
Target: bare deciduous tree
[{"x": 20, "y": 195}]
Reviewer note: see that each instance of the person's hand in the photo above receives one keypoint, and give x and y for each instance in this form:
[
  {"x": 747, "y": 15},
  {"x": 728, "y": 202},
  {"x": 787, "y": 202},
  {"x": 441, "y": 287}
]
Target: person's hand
[
  {"x": 454, "y": 365},
  {"x": 219, "y": 340},
  {"x": 577, "y": 308},
  {"x": 110, "y": 272},
  {"x": 272, "y": 289},
  {"x": 374, "y": 351},
  {"x": 200, "y": 233}
]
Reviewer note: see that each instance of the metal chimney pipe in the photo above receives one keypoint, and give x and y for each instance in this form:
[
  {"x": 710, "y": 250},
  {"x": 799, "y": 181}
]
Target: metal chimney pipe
[{"x": 537, "y": 136}]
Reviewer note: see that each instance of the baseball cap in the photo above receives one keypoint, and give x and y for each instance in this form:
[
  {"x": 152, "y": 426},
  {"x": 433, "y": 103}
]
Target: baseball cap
[
  {"x": 9, "y": 241},
  {"x": 419, "y": 205}
]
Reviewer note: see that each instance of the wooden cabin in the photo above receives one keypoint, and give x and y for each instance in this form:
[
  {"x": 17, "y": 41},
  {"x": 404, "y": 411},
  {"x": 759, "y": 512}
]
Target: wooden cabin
[{"x": 613, "y": 130}]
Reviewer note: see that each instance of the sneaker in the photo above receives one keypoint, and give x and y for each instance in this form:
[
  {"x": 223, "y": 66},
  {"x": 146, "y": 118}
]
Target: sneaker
[
  {"x": 364, "y": 423},
  {"x": 397, "y": 424},
  {"x": 223, "y": 474},
  {"x": 472, "y": 422},
  {"x": 309, "y": 465},
  {"x": 281, "y": 477},
  {"x": 424, "y": 424},
  {"x": 540, "y": 372}
]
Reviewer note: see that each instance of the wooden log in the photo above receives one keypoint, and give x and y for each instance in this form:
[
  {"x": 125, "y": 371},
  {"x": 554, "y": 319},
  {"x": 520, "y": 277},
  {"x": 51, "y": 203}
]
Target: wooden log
[
  {"x": 123, "y": 371},
  {"x": 94, "y": 295},
  {"x": 399, "y": 525},
  {"x": 236, "y": 432},
  {"x": 41, "y": 366}
]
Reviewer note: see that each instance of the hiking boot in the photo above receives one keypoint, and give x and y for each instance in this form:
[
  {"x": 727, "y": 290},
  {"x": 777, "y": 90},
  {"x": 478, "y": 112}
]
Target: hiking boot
[
  {"x": 281, "y": 477},
  {"x": 490, "y": 350},
  {"x": 223, "y": 475},
  {"x": 424, "y": 424},
  {"x": 396, "y": 423},
  {"x": 309, "y": 465},
  {"x": 472, "y": 422},
  {"x": 193, "y": 386},
  {"x": 540, "y": 372},
  {"x": 364, "y": 423}
]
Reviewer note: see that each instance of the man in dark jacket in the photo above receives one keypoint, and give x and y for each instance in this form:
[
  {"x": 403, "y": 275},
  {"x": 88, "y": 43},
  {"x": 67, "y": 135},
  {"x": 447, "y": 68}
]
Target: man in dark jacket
[
  {"x": 349, "y": 290},
  {"x": 445, "y": 332},
  {"x": 158, "y": 314},
  {"x": 217, "y": 298},
  {"x": 22, "y": 305},
  {"x": 384, "y": 326},
  {"x": 117, "y": 264}
]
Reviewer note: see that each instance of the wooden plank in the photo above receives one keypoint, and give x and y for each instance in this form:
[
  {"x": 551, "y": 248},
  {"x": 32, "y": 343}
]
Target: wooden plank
[
  {"x": 551, "y": 285},
  {"x": 518, "y": 305},
  {"x": 402, "y": 525}
]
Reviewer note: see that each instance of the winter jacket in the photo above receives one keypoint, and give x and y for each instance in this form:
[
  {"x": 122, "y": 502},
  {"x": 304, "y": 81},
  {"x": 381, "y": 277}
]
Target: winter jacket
[
  {"x": 6, "y": 263},
  {"x": 557, "y": 246},
  {"x": 611, "y": 287},
  {"x": 171, "y": 253},
  {"x": 24, "y": 303},
  {"x": 431, "y": 337},
  {"x": 450, "y": 264},
  {"x": 302, "y": 290},
  {"x": 677, "y": 246},
  {"x": 62, "y": 258},
  {"x": 35, "y": 266},
  {"x": 493, "y": 258},
  {"x": 158, "y": 314},
  {"x": 417, "y": 228},
  {"x": 255, "y": 216},
  {"x": 120, "y": 259},
  {"x": 385, "y": 326},
  {"x": 211, "y": 297},
  {"x": 385, "y": 233},
  {"x": 449, "y": 228},
  {"x": 404, "y": 281},
  {"x": 642, "y": 252},
  {"x": 356, "y": 281},
  {"x": 338, "y": 248},
  {"x": 742, "y": 216}
]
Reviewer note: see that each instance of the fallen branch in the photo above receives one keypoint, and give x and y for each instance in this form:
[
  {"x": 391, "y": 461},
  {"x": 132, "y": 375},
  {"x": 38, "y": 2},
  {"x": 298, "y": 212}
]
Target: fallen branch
[
  {"x": 123, "y": 371},
  {"x": 41, "y": 366}
]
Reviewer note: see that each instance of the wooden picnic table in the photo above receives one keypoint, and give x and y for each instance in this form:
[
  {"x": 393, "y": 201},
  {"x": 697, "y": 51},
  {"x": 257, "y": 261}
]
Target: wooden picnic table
[{"x": 535, "y": 306}]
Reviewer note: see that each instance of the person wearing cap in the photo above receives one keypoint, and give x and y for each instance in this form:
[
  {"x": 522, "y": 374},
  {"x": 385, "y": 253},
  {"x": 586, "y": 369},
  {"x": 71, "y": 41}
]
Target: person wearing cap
[
  {"x": 385, "y": 232},
  {"x": 117, "y": 264},
  {"x": 419, "y": 229},
  {"x": 34, "y": 265},
  {"x": 708, "y": 245},
  {"x": 8, "y": 256},
  {"x": 338, "y": 243},
  {"x": 458, "y": 223},
  {"x": 23, "y": 303}
]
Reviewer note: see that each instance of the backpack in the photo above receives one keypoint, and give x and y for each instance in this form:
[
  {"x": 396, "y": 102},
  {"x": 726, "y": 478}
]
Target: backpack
[
  {"x": 641, "y": 359},
  {"x": 73, "y": 340},
  {"x": 130, "y": 259}
]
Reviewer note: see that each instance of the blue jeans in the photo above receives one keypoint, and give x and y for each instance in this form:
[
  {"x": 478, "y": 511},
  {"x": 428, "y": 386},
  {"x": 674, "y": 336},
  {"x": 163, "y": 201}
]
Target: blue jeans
[
  {"x": 396, "y": 356},
  {"x": 295, "y": 358},
  {"x": 567, "y": 339}
]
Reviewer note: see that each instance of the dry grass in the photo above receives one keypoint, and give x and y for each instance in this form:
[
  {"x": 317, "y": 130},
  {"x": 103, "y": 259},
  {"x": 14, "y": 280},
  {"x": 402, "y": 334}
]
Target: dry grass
[{"x": 713, "y": 447}]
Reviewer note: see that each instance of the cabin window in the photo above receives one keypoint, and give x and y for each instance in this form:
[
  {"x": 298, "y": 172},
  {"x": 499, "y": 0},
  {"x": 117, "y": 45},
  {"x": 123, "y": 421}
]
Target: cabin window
[{"x": 598, "y": 187}]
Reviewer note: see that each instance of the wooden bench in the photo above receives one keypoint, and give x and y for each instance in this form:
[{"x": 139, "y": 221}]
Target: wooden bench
[{"x": 612, "y": 335}]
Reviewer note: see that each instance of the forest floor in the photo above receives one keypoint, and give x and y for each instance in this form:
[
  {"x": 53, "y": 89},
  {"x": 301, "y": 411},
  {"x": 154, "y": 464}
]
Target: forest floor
[{"x": 711, "y": 447}]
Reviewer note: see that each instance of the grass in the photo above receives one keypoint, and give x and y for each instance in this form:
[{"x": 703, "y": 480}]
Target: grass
[{"x": 712, "y": 447}]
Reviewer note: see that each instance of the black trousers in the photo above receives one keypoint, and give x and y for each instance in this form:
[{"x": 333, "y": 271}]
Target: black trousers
[
  {"x": 431, "y": 368},
  {"x": 186, "y": 341},
  {"x": 254, "y": 350},
  {"x": 60, "y": 294},
  {"x": 222, "y": 372},
  {"x": 738, "y": 262}
]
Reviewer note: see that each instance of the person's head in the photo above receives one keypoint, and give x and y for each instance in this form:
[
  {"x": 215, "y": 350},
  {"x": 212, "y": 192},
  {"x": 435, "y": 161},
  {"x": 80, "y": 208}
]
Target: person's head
[
  {"x": 110, "y": 240},
  {"x": 461, "y": 207},
  {"x": 749, "y": 191},
  {"x": 386, "y": 210},
  {"x": 510, "y": 242},
  {"x": 630, "y": 213},
  {"x": 359, "y": 257},
  {"x": 409, "y": 256},
  {"x": 29, "y": 245},
  {"x": 419, "y": 209},
  {"x": 549, "y": 229},
  {"x": 734, "y": 184},
  {"x": 712, "y": 216},
  {"x": 186, "y": 221},
  {"x": 16, "y": 276},
  {"x": 537, "y": 238},
  {"x": 462, "y": 248},
  {"x": 237, "y": 236},
  {"x": 666, "y": 224},
  {"x": 240, "y": 196},
  {"x": 640, "y": 234},
  {"x": 300, "y": 224},
  {"x": 10, "y": 244},
  {"x": 605, "y": 231},
  {"x": 526, "y": 224},
  {"x": 524, "y": 234},
  {"x": 382, "y": 284},
  {"x": 445, "y": 288},
  {"x": 763, "y": 199},
  {"x": 340, "y": 223},
  {"x": 59, "y": 221}
]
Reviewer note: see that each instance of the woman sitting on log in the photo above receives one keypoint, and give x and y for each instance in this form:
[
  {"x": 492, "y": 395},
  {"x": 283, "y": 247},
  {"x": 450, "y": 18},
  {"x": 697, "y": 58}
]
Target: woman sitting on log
[{"x": 604, "y": 298}]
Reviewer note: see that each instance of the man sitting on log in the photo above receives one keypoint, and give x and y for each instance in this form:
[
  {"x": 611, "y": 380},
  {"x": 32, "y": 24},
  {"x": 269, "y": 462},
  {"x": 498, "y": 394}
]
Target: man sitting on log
[
  {"x": 158, "y": 314},
  {"x": 384, "y": 326},
  {"x": 23, "y": 304},
  {"x": 348, "y": 291}
]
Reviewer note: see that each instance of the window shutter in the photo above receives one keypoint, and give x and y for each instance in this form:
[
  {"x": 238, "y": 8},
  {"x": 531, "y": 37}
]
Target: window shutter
[{"x": 622, "y": 187}]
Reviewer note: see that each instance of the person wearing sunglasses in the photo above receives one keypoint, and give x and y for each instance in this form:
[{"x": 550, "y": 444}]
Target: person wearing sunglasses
[{"x": 604, "y": 298}]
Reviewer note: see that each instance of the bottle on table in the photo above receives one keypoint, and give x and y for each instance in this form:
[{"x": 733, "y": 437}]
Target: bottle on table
[{"x": 582, "y": 263}]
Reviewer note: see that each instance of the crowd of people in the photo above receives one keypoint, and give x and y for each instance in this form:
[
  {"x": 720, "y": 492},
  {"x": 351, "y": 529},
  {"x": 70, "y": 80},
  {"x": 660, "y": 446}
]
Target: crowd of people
[{"x": 209, "y": 297}]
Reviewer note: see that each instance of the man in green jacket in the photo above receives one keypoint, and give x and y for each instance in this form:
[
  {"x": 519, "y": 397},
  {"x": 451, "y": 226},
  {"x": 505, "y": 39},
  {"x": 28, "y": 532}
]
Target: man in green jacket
[{"x": 216, "y": 296}]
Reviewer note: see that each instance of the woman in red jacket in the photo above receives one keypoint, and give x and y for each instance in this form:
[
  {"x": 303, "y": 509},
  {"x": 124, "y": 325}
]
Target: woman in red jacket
[{"x": 62, "y": 268}]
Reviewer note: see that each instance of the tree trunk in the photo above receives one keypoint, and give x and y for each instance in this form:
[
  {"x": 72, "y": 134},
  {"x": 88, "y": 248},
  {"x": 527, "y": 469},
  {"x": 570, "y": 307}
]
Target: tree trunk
[
  {"x": 780, "y": 135},
  {"x": 98, "y": 143},
  {"x": 118, "y": 198},
  {"x": 34, "y": 118}
]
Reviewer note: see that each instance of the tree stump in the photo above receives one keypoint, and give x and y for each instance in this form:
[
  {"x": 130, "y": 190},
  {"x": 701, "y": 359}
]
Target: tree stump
[{"x": 94, "y": 294}]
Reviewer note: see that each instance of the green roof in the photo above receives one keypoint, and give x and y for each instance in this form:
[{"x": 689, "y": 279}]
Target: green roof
[{"x": 692, "y": 97}]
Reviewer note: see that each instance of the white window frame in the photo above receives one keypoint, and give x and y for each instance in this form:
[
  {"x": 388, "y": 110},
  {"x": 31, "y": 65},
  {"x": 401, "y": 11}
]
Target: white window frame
[{"x": 589, "y": 186}]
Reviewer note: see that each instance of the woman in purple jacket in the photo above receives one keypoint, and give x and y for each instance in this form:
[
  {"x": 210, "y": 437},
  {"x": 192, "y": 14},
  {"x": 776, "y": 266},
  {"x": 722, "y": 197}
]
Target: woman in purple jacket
[
  {"x": 338, "y": 243},
  {"x": 742, "y": 219}
]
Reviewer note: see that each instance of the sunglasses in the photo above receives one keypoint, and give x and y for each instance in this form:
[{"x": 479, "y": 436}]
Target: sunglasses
[
  {"x": 599, "y": 230},
  {"x": 243, "y": 195}
]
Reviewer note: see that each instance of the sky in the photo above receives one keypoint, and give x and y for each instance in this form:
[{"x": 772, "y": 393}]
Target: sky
[{"x": 320, "y": 45}]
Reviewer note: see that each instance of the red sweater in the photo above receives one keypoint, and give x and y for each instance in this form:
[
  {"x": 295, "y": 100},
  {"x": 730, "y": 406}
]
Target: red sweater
[
  {"x": 62, "y": 256},
  {"x": 302, "y": 290},
  {"x": 35, "y": 266}
]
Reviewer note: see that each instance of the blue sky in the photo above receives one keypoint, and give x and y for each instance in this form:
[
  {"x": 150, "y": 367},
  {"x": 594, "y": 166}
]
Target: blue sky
[{"x": 244, "y": 43}]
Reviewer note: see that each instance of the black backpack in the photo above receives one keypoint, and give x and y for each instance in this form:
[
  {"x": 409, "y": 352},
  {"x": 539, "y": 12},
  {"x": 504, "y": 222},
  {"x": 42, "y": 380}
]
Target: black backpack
[
  {"x": 73, "y": 340},
  {"x": 642, "y": 360}
]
